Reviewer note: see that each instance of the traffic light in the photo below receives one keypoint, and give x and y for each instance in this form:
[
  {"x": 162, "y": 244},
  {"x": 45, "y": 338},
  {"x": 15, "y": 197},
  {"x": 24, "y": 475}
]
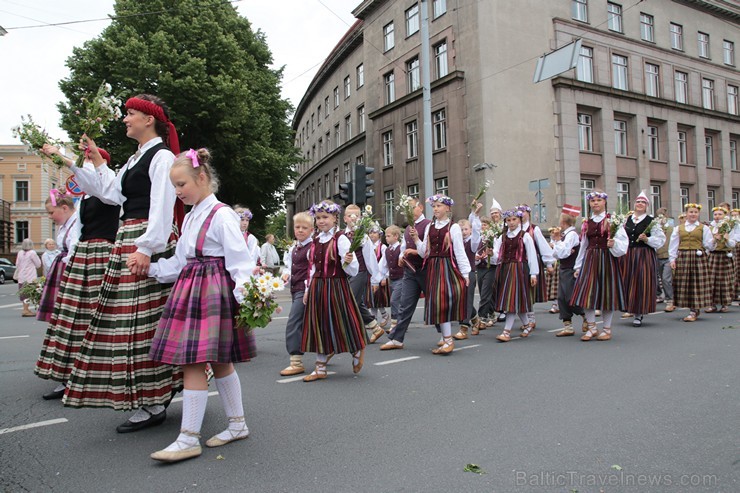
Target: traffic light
[
  {"x": 363, "y": 183},
  {"x": 347, "y": 192}
]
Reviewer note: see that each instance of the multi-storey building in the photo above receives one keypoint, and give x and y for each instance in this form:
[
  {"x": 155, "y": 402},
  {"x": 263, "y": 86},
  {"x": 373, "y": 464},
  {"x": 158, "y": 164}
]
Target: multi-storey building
[
  {"x": 25, "y": 181},
  {"x": 652, "y": 105}
]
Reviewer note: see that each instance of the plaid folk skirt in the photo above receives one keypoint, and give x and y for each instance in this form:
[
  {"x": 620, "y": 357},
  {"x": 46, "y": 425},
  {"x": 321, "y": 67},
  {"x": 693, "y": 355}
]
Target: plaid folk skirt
[
  {"x": 640, "y": 280},
  {"x": 552, "y": 283},
  {"x": 197, "y": 324},
  {"x": 691, "y": 280},
  {"x": 446, "y": 293},
  {"x": 51, "y": 289},
  {"x": 721, "y": 278},
  {"x": 599, "y": 284},
  {"x": 113, "y": 368},
  {"x": 76, "y": 302},
  {"x": 513, "y": 288}
]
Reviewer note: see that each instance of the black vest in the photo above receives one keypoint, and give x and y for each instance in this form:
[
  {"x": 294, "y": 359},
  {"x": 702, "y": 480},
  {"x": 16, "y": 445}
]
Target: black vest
[
  {"x": 635, "y": 230},
  {"x": 99, "y": 220},
  {"x": 136, "y": 186}
]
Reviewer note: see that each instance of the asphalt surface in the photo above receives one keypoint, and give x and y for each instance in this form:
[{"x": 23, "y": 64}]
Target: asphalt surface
[{"x": 655, "y": 409}]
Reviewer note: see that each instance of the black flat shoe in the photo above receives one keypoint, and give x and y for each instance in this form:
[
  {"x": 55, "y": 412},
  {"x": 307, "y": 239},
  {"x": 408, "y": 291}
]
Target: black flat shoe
[
  {"x": 153, "y": 420},
  {"x": 53, "y": 395}
]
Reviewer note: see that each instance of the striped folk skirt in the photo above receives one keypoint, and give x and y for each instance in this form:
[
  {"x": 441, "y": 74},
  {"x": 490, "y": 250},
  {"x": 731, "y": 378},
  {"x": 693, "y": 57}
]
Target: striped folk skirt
[
  {"x": 113, "y": 368},
  {"x": 76, "y": 303},
  {"x": 332, "y": 322},
  {"x": 513, "y": 288},
  {"x": 640, "y": 280},
  {"x": 552, "y": 283},
  {"x": 736, "y": 259},
  {"x": 380, "y": 298},
  {"x": 721, "y": 278},
  {"x": 540, "y": 292},
  {"x": 599, "y": 284},
  {"x": 197, "y": 324},
  {"x": 51, "y": 289},
  {"x": 691, "y": 280},
  {"x": 446, "y": 293}
]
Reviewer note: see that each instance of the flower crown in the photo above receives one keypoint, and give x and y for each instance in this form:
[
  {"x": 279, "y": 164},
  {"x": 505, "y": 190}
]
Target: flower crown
[
  {"x": 376, "y": 228},
  {"x": 513, "y": 213},
  {"x": 442, "y": 199},
  {"x": 325, "y": 207},
  {"x": 715, "y": 209},
  {"x": 596, "y": 195},
  {"x": 245, "y": 214},
  {"x": 692, "y": 205},
  {"x": 523, "y": 208}
]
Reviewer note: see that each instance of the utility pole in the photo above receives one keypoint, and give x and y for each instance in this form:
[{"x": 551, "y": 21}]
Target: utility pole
[{"x": 426, "y": 112}]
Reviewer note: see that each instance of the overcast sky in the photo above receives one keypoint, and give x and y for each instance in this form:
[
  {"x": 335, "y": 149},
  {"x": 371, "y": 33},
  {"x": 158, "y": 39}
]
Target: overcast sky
[{"x": 300, "y": 34}]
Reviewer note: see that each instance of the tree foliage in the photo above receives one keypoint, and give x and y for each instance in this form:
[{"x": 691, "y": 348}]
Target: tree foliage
[{"x": 212, "y": 69}]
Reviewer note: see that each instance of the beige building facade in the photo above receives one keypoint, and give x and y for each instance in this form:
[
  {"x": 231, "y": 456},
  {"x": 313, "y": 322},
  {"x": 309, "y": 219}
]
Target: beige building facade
[{"x": 652, "y": 105}]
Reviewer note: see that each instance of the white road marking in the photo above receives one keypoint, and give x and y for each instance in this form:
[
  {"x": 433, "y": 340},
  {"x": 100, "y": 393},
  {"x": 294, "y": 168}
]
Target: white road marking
[
  {"x": 279, "y": 318},
  {"x": 179, "y": 399},
  {"x": 466, "y": 347},
  {"x": 33, "y": 425},
  {"x": 297, "y": 379},
  {"x": 13, "y": 337},
  {"x": 12, "y": 305},
  {"x": 399, "y": 360}
]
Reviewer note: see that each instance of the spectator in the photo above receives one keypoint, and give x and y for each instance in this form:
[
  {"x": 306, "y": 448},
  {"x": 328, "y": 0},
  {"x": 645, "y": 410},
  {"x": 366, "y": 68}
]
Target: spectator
[
  {"x": 49, "y": 255},
  {"x": 269, "y": 255},
  {"x": 27, "y": 262}
]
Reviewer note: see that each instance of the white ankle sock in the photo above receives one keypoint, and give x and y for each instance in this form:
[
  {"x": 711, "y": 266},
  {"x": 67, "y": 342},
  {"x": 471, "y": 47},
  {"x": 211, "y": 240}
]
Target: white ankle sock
[
  {"x": 230, "y": 391},
  {"x": 60, "y": 387},
  {"x": 183, "y": 442}
]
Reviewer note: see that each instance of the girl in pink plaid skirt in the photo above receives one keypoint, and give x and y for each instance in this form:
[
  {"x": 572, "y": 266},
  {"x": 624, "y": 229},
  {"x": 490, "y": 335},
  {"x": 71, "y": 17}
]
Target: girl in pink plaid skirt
[{"x": 197, "y": 325}]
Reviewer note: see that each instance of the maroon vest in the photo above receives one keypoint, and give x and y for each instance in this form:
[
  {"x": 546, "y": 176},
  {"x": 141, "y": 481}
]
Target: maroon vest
[
  {"x": 437, "y": 245},
  {"x": 570, "y": 261},
  {"x": 414, "y": 260},
  {"x": 512, "y": 249},
  {"x": 299, "y": 268},
  {"x": 596, "y": 238},
  {"x": 325, "y": 258},
  {"x": 391, "y": 258},
  {"x": 470, "y": 253}
]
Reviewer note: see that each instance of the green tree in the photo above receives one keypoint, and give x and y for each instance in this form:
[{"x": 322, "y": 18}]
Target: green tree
[{"x": 212, "y": 69}]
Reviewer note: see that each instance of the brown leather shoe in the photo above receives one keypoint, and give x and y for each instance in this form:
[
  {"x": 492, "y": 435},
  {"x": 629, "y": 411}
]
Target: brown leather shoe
[
  {"x": 504, "y": 336},
  {"x": 446, "y": 348},
  {"x": 590, "y": 333},
  {"x": 295, "y": 367},
  {"x": 604, "y": 336},
  {"x": 475, "y": 331},
  {"x": 462, "y": 334},
  {"x": 669, "y": 307},
  {"x": 566, "y": 332},
  {"x": 360, "y": 361},
  {"x": 391, "y": 345},
  {"x": 527, "y": 330},
  {"x": 377, "y": 334},
  {"x": 691, "y": 317},
  {"x": 319, "y": 373}
]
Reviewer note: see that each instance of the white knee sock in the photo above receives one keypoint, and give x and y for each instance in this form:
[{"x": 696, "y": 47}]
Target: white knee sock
[
  {"x": 193, "y": 409},
  {"x": 230, "y": 391},
  {"x": 446, "y": 329},
  {"x": 590, "y": 316},
  {"x": 525, "y": 319},
  {"x": 607, "y": 316},
  {"x": 510, "y": 318}
]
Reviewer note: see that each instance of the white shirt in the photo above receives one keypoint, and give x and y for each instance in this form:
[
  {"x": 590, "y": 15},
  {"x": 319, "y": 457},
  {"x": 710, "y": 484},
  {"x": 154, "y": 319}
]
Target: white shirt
[
  {"x": 621, "y": 243},
  {"x": 252, "y": 244},
  {"x": 707, "y": 239},
  {"x": 458, "y": 246},
  {"x": 223, "y": 239},
  {"x": 269, "y": 255},
  {"x": 542, "y": 245},
  {"x": 70, "y": 240},
  {"x": 102, "y": 183},
  {"x": 563, "y": 248},
  {"x": 534, "y": 266},
  {"x": 475, "y": 226},
  {"x": 657, "y": 235},
  {"x": 371, "y": 261},
  {"x": 343, "y": 245}
]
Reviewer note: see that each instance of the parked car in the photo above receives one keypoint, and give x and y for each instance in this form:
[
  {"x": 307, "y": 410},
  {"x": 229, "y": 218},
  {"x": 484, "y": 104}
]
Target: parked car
[{"x": 7, "y": 269}]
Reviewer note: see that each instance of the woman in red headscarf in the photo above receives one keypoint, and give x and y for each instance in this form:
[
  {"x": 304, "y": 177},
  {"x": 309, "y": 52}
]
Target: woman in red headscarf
[{"x": 113, "y": 368}]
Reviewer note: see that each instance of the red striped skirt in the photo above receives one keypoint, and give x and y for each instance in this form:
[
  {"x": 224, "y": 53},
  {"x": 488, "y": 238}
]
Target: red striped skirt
[
  {"x": 446, "y": 293},
  {"x": 513, "y": 288},
  {"x": 380, "y": 298},
  {"x": 640, "y": 280},
  {"x": 599, "y": 284}
]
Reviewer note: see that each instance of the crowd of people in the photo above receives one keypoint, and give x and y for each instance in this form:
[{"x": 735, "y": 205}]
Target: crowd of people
[{"x": 140, "y": 299}]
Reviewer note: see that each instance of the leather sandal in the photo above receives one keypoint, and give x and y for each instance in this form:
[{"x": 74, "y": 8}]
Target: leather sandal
[
  {"x": 377, "y": 334},
  {"x": 527, "y": 331},
  {"x": 475, "y": 331},
  {"x": 711, "y": 309},
  {"x": 446, "y": 348},
  {"x": 504, "y": 336},
  {"x": 360, "y": 361},
  {"x": 234, "y": 435},
  {"x": 691, "y": 317},
  {"x": 605, "y": 335},
  {"x": 670, "y": 307},
  {"x": 591, "y": 333},
  {"x": 319, "y": 373},
  {"x": 462, "y": 334},
  {"x": 724, "y": 309}
]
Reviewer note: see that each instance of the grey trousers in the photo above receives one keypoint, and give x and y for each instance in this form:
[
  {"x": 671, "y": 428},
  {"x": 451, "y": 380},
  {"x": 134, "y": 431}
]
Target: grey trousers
[
  {"x": 412, "y": 286},
  {"x": 485, "y": 275},
  {"x": 566, "y": 284},
  {"x": 396, "y": 293},
  {"x": 666, "y": 276},
  {"x": 470, "y": 302},
  {"x": 358, "y": 285},
  {"x": 294, "y": 328}
]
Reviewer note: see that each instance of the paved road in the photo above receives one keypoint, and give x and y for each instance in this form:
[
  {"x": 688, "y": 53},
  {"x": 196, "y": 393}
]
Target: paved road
[{"x": 660, "y": 402}]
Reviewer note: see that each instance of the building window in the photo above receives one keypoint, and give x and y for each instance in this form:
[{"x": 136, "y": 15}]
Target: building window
[
  {"x": 348, "y": 127},
  {"x": 412, "y": 140},
  {"x": 653, "y": 147},
  {"x": 709, "y": 150},
  {"x": 337, "y": 136},
  {"x": 732, "y": 100},
  {"x": 585, "y": 133},
  {"x": 440, "y": 59},
  {"x": 361, "y": 118},
  {"x": 711, "y": 199},
  {"x": 439, "y": 7},
  {"x": 313, "y": 122},
  {"x": 388, "y": 148},
  {"x": 389, "y": 207},
  {"x": 683, "y": 151},
  {"x": 336, "y": 180},
  {"x": 390, "y": 87},
  {"x": 614, "y": 17},
  {"x": 684, "y": 191},
  {"x": 347, "y": 173},
  {"x": 579, "y": 10},
  {"x": 321, "y": 148},
  {"x": 647, "y": 27},
  {"x": 652, "y": 80},
  {"x": 586, "y": 187},
  {"x": 585, "y": 67},
  {"x": 655, "y": 197},
  {"x": 412, "y": 71},
  {"x": 413, "y": 191},
  {"x": 619, "y": 72},
  {"x": 21, "y": 231},
  {"x": 676, "y": 36},
  {"x": 360, "y": 160},
  {"x": 318, "y": 114},
  {"x": 441, "y": 186},
  {"x": 389, "y": 40},
  {"x": 439, "y": 118},
  {"x": 623, "y": 196},
  {"x": 736, "y": 200},
  {"x": 326, "y": 107},
  {"x": 360, "y": 75},
  {"x": 347, "y": 87},
  {"x": 620, "y": 138},
  {"x": 733, "y": 155},
  {"x": 327, "y": 186},
  {"x": 21, "y": 191},
  {"x": 707, "y": 94},
  {"x": 412, "y": 20},
  {"x": 703, "y": 40},
  {"x": 682, "y": 87},
  {"x": 336, "y": 97},
  {"x": 328, "y": 142},
  {"x": 728, "y": 52}
]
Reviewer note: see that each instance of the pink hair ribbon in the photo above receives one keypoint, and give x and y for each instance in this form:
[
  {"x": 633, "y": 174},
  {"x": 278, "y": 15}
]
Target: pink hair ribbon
[
  {"x": 193, "y": 155},
  {"x": 53, "y": 197}
]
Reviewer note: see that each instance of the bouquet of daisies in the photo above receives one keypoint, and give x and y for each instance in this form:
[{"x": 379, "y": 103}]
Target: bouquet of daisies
[
  {"x": 34, "y": 137},
  {"x": 97, "y": 112},
  {"x": 31, "y": 291},
  {"x": 259, "y": 301},
  {"x": 658, "y": 221},
  {"x": 404, "y": 206},
  {"x": 727, "y": 225},
  {"x": 616, "y": 221},
  {"x": 362, "y": 227},
  {"x": 495, "y": 230}
]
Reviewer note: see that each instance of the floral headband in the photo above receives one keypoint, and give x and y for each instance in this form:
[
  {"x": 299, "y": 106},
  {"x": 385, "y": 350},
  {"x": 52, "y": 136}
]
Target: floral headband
[
  {"x": 376, "y": 228},
  {"x": 596, "y": 195},
  {"x": 513, "y": 213},
  {"x": 692, "y": 205},
  {"x": 245, "y": 214},
  {"x": 523, "y": 208},
  {"x": 715, "y": 209},
  {"x": 442, "y": 199},
  {"x": 325, "y": 207}
]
